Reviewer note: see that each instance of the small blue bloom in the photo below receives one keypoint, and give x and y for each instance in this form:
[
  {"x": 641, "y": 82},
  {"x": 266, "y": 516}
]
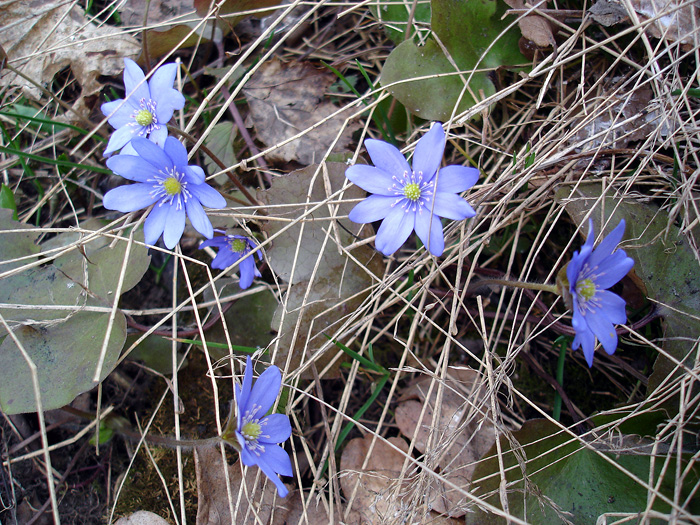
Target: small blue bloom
[
  {"x": 406, "y": 198},
  {"x": 231, "y": 249},
  {"x": 148, "y": 106},
  {"x": 588, "y": 276},
  {"x": 163, "y": 178},
  {"x": 258, "y": 434}
]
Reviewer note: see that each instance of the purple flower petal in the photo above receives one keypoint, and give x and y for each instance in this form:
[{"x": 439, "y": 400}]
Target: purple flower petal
[
  {"x": 217, "y": 242},
  {"x": 612, "y": 269},
  {"x": 276, "y": 428},
  {"x": 607, "y": 245},
  {"x": 456, "y": 179},
  {"x": 430, "y": 232},
  {"x": 266, "y": 388},
  {"x": 371, "y": 179},
  {"x": 159, "y": 135},
  {"x": 195, "y": 174},
  {"x": 429, "y": 151},
  {"x": 208, "y": 196},
  {"x": 128, "y": 198},
  {"x": 199, "y": 218},
  {"x": 152, "y": 154},
  {"x": 176, "y": 151},
  {"x": 119, "y": 139},
  {"x": 386, "y": 157},
  {"x": 452, "y": 206},
  {"x": 132, "y": 168},
  {"x": 174, "y": 227},
  {"x": 135, "y": 83},
  {"x": 270, "y": 469},
  {"x": 224, "y": 259},
  {"x": 613, "y": 305},
  {"x": 246, "y": 270},
  {"x": 603, "y": 329},
  {"x": 118, "y": 112},
  {"x": 394, "y": 231},
  {"x": 242, "y": 399},
  {"x": 373, "y": 208},
  {"x": 155, "y": 223}
]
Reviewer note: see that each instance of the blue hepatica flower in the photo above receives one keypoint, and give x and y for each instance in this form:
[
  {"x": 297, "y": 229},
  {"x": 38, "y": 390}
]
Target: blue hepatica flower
[
  {"x": 231, "y": 249},
  {"x": 258, "y": 434},
  {"x": 163, "y": 178},
  {"x": 148, "y": 106},
  {"x": 588, "y": 276},
  {"x": 408, "y": 198}
]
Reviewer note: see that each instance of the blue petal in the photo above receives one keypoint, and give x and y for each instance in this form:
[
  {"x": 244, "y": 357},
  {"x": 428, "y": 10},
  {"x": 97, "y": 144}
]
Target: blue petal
[
  {"x": 386, "y": 157},
  {"x": 247, "y": 457},
  {"x": 434, "y": 239},
  {"x": 452, "y": 206},
  {"x": 265, "y": 390},
  {"x": 268, "y": 462},
  {"x": 429, "y": 150},
  {"x": 394, "y": 231},
  {"x": 174, "y": 226},
  {"x": 177, "y": 152},
  {"x": 118, "y": 112},
  {"x": 155, "y": 223},
  {"x": 195, "y": 174},
  {"x": 603, "y": 329},
  {"x": 278, "y": 459},
  {"x": 247, "y": 273},
  {"x": 612, "y": 306},
  {"x": 456, "y": 179},
  {"x": 244, "y": 394},
  {"x": 276, "y": 427},
  {"x": 119, "y": 139},
  {"x": 371, "y": 179},
  {"x": 128, "y": 198},
  {"x": 611, "y": 269},
  {"x": 152, "y": 154},
  {"x": 132, "y": 168},
  {"x": 199, "y": 218},
  {"x": 135, "y": 81},
  {"x": 607, "y": 245},
  {"x": 573, "y": 268},
  {"x": 207, "y": 195},
  {"x": 217, "y": 242},
  {"x": 224, "y": 259},
  {"x": 373, "y": 208},
  {"x": 584, "y": 337},
  {"x": 159, "y": 135}
]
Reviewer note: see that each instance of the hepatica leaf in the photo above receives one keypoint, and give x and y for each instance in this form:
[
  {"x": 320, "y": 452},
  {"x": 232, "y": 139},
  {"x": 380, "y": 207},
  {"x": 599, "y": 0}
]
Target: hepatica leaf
[
  {"x": 475, "y": 36},
  {"x": 62, "y": 339},
  {"x": 394, "y": 15}
]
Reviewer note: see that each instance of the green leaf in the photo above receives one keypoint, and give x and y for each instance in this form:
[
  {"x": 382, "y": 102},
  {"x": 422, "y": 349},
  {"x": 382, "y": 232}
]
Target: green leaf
[
  {"x": 475, "y": 36},
  {"x": 394, "y": 15},
  {"x": 220, "y": 143},
  {"x": 7, "y": 200},
  {"x": 567, "y": 479}
]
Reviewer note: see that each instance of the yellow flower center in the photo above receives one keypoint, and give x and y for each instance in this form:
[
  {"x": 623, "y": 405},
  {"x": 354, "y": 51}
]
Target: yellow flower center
[
  {"x": 144, "y": 117},
  {"x": 237, "y": 245},
  {"x": 585, "y": 289},
  {"x": 251, "y": 431},
  {"x": 412, "y": 191},
  {"x": 172, "y": 186}
]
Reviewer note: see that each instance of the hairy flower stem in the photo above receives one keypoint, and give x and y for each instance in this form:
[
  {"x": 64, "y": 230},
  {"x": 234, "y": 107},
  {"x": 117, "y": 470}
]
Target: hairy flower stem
[{"x": 518, "y": 284}]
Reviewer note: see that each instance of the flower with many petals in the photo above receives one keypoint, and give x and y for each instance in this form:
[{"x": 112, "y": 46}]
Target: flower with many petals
[
  {"x": 231, "y": 249},
  {"x": 163, "y": 178},
  {"x": 408, "y": 198},
  {"x": 259, "y": 435},
  {"x": 147, "y": 108},
  {"x": 584, "y": 284}
]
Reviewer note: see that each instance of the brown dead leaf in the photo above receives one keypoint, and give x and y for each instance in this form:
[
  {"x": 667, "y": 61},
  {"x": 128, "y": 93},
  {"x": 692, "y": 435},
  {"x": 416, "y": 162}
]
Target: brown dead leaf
[
  {"x": 286, "y": 99},
  {"x": 253, "y": 501},
  {"x": 41, "y": 38},
  {"x": 313, "y": 513},
  {"x": 534, "y": 27},
  {"x": 454, "y": 439}
]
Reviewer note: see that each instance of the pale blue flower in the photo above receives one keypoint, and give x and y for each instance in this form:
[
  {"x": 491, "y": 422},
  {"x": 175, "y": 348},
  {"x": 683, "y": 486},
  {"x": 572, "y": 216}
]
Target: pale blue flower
[
  {"x": 405, "y": 197},
  {"x": 258, "y": 434},
  {"x": 163, "y": 178},
  {"x": 595, "y": 309},
  {"x": 147, "y": 108},
  {"x": 231, "y": 249}
]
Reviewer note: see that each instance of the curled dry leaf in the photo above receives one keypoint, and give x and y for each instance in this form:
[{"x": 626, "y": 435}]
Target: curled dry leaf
[
  {"x": 454, "y": 431},
  {"x": 533, "y": 27},
  {"x": 256, "y": 502},
  {"x": 42, "y": 38},
  {"x": 286, "y": 99}
]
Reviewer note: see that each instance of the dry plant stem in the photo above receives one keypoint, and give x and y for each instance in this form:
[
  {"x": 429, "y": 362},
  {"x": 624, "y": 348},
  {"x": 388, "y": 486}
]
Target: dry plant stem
[
  {"x": 518, "y": 284},
  {"x": 181, "y": 333},
  {"x": 216, "y": 159},
  {"x": 144, "y": 38}
]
